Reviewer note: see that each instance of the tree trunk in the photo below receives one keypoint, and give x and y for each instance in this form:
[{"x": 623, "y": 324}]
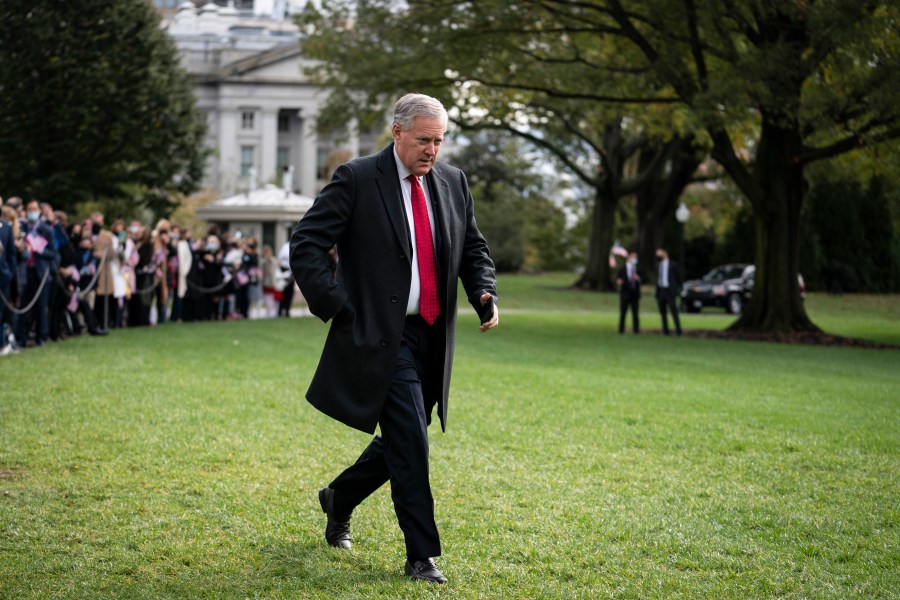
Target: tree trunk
[
  {"x": 776, "y": 305},
  {"x": 597, "y": 274},
  {"x": 656, "y": 201}
]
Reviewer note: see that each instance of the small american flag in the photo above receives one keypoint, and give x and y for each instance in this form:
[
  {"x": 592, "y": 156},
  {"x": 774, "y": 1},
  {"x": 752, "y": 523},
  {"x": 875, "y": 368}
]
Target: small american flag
[{"x": 36, "y": 242}]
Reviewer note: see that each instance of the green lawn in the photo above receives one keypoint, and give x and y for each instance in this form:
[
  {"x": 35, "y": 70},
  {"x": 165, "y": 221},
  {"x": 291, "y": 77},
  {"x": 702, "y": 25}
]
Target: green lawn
[{"x": 183, "y": 461}]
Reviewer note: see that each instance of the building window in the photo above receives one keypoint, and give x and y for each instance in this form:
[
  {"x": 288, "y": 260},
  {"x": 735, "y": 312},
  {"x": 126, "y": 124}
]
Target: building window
[
  {"x": 322, "y": 163},
  {"x": 247, "y": 119},
  {"x": 268, "y": 235},
  {"x": 248, "y": 159},
  {"x": 283, "y": 158},
  {"x": 284, "y": 122}
]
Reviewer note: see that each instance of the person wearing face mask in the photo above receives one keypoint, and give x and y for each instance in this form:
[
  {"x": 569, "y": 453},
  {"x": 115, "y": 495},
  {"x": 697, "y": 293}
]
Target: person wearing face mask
[
  {"x": 41, "y": 258},
  {"x": 629, "y": 282},
  {"x": 668, "y": 285}
]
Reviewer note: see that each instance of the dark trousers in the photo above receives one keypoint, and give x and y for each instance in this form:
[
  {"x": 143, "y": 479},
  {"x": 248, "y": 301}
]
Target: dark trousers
[
  {"x": 242, "y": 300},
  {"x": 106, "y": 311},
  {"x": 626, "y": 301},
  {"x": 400, "y": 453},
  {"x": 59, "y": 298},
  {"x": 287, "y": 298},
  {"x": 6, "y": 315},
  {"x": 177, "y": 306},
  {"x": 161, "y": 299},
  {"x": 665, "y": 298},
  {"x": 38, "y": 315},
  {"x": 90, "y": 320}
]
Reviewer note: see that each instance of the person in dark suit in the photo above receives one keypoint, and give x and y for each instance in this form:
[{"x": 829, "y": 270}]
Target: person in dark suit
[
  {"x": 41, "y": 260},
  {"x": 629, "y": 283},
  {"x": 668, "y": 286},
  {"x": 404, "y": 229}
]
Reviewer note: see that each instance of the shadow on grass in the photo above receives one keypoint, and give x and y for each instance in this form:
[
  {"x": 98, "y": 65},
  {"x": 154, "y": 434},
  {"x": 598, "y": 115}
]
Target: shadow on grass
[{"x": 325, "y": 569}]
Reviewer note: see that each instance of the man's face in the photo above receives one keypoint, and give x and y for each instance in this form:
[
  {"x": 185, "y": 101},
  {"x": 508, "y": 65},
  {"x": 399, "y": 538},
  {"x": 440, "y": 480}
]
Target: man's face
[{"x": 419, "y": 146}]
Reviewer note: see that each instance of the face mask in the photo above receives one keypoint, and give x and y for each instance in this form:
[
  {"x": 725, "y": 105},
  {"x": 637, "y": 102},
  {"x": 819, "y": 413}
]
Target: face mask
[
  {"x": 175, "y": 236},
  {"x": 633, "y": 262},
  {"x": 95, "y": 229},
  {"x": 122, "y": 236},
  {"x": 33, "y": 216},
  {"x": 212, "y": 247}
]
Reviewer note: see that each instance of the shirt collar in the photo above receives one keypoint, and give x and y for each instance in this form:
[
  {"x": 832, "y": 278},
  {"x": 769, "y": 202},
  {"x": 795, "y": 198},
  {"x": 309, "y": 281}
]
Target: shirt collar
[{"x": 401, "y": 168}]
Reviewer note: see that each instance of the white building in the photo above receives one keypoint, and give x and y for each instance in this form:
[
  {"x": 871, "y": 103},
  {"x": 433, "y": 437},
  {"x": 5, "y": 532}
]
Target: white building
[
  {"x": 267, "y": 214},
  {"x": 260, "y": 107}
]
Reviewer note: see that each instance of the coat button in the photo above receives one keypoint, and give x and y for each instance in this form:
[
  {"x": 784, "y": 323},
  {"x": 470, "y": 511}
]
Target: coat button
[
  {"x": 394, "y": 299},
  {"x": 401, "y": 256},
  {"x": 384, "y": 343}
]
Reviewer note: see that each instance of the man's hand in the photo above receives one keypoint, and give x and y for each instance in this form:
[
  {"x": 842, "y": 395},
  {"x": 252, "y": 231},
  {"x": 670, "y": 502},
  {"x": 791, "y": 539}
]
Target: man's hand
[{"x": 495, "y": 319}]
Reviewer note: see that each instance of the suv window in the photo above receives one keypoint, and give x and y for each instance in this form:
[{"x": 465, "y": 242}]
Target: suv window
[{"x": 723, "y": 273}]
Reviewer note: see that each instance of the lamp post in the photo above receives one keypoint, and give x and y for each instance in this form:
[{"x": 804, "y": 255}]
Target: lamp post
[{"x": 681, "y": 215}]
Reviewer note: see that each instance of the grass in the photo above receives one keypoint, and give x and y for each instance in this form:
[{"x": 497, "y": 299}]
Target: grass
[
  {"x": 182, "y": 461},
  {"x": 870, "y": 317}
]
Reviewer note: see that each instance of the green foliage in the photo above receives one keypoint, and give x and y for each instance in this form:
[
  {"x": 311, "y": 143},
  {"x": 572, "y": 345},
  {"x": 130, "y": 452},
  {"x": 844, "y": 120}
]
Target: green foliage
[
  {"x": 850, "y": 238},
  {"x": 737, "y": 245},
  {"x": 93, "y": 105},
  {"x": 524, "y": 225}
]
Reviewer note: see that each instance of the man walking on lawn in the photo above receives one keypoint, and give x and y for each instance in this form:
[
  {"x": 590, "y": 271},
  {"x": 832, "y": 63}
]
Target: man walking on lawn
[{"x": 404, "y": 228}]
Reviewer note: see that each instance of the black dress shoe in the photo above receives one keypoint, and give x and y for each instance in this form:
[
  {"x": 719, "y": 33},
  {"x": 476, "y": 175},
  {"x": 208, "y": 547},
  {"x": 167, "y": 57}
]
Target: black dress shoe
[
  {"x": 425, "y": 570},
  {"x": 337, "y": 533}
]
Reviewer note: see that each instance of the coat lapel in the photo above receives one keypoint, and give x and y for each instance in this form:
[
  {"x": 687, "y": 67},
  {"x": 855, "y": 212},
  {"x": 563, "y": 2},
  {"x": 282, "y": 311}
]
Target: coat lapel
[
  {"x": 388, "y": 183},
  {"x": 441, "y": 197}
]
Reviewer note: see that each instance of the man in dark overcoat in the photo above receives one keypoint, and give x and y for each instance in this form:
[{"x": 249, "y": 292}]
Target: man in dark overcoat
[{"x": 404, "y": 230}]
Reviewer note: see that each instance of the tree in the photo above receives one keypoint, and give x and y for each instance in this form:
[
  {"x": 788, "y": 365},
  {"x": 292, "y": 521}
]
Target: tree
[
  {"x": 813, "y": 79},
  {"x": 498, "y": 73},
  {"x": 819, "y": 78},
  {"x": 656, "y": 201},
  {"x": 525, "y": 225},
  {"x": 93, "y": 104}
]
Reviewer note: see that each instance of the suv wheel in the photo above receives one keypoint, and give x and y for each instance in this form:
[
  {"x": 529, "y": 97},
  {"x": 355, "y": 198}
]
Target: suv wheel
[{"x": 734, "y": 303}]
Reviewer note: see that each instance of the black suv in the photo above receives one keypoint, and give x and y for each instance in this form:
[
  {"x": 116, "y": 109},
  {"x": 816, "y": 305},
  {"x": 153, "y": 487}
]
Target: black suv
[
  {"x": 724, "y": 287},
  {"x": 728, "y": 287}
]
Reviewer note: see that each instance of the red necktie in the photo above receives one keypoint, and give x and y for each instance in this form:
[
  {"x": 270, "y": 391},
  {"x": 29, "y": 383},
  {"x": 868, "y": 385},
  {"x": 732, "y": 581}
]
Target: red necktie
[{"x": 429, "y": 305}]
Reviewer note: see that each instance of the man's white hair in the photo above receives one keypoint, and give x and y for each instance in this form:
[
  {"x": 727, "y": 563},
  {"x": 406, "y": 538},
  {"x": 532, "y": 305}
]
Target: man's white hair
[{"x": 411, "y": 106}]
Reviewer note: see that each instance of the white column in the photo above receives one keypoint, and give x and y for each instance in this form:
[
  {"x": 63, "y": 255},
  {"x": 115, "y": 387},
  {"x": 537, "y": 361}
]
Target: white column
[
  {"x": 306, "y": 178},
  {"x": 268, "y": 147},
  {"x": 229, "y": 156}
]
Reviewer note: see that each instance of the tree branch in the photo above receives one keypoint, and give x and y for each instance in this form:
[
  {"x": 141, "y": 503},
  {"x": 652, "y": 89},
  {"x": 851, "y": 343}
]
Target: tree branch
[
  {"x": 554, "y": 93},
  {"x": 557, "y": 151},
  {"x": 723, "y": 153},
  {"x": 696, "y": 48},
  {"x": 858, "y": 139}
]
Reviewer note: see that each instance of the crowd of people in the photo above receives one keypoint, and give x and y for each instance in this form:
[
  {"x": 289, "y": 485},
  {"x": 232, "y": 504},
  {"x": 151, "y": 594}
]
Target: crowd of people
[{"x": 60, "y": 279}]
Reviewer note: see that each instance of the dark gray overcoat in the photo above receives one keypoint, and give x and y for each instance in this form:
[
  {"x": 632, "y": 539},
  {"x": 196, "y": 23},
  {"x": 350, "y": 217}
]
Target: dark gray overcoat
[{"x": 361, "y": 212}]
